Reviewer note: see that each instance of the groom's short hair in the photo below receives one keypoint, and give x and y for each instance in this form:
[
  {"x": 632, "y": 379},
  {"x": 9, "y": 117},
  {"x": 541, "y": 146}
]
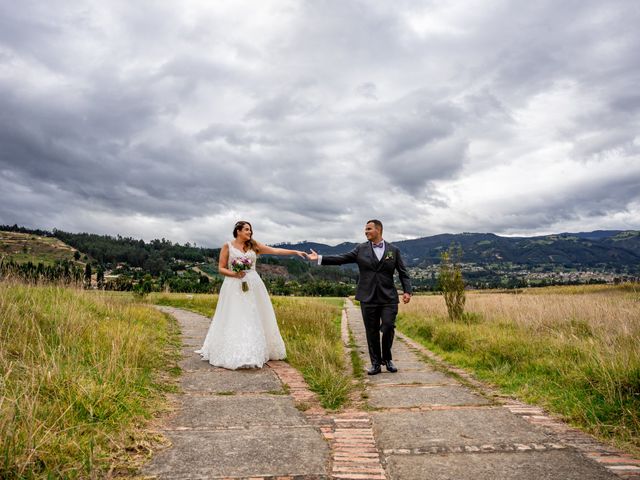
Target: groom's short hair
[{"x": 377, "y": 223}]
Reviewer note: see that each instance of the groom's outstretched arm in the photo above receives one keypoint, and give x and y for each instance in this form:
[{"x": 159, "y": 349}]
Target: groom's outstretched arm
[{"x": 349, "y": 257}]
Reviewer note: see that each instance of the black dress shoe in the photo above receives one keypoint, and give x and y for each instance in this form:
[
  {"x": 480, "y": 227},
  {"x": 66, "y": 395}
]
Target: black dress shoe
[
  {"x": 374, "y": 370},
  {"x": 390, "y": 366}
]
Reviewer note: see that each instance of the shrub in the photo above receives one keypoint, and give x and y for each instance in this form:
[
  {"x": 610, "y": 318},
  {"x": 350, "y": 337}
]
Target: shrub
[{"x": 452, "y": 283}]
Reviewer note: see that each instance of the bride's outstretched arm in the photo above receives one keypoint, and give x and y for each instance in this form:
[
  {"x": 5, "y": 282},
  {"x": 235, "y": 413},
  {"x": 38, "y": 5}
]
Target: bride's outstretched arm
[{"x": 267, "y": 250}]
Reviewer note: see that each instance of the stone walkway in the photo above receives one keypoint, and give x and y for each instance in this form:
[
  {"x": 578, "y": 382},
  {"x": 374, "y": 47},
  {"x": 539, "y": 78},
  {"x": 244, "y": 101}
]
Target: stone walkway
[
  {"x": 419, "y": 423},
  {"x": 236, "y": 424},
  {"x": 431, "y": 425}
]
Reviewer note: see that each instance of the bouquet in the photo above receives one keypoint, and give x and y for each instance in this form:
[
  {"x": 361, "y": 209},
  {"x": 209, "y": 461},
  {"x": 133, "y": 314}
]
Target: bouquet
[{"x": 240, "y": 265}]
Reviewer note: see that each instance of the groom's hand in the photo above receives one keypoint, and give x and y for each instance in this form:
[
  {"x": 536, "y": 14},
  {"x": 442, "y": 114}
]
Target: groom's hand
[
  {"x": 313, "y": 256},
  {"x": 406, "y": 297}
]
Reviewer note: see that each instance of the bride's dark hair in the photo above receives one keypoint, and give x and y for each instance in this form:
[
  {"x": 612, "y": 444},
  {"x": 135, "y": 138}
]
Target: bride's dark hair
[{"x": 251, "y": 243}]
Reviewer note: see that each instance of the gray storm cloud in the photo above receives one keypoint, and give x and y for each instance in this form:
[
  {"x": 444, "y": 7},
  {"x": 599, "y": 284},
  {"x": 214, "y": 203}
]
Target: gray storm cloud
[{"x": 166, "y": 120}]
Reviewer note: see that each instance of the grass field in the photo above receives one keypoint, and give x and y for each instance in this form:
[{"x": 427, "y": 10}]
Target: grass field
[
  {"x": 310, "y": 328},
  {"x": 81, "y": 372},
  {"x": 574, "y": 350}
]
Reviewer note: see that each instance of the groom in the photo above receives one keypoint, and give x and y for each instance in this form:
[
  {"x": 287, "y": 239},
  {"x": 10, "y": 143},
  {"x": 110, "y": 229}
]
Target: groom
[{"x": 377, "y": 260}]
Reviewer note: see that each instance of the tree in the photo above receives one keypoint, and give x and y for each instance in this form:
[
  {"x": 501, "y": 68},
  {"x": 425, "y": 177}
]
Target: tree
[
  {"x": 451, "y": 282},
  {"x": 87, "y": 276},
  {"x": 144, "y": 287},
  {"x": 154, "y": 264},
  {"x": 100, "y": 277}
]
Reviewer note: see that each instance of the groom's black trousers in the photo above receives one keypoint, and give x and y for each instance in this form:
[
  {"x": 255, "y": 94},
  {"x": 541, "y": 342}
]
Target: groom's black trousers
[{"x": 379, "y": 318}]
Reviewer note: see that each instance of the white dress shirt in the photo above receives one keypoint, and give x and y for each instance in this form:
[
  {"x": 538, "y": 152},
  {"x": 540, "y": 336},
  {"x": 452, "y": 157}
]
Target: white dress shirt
[{"x": 378, "y": 251}]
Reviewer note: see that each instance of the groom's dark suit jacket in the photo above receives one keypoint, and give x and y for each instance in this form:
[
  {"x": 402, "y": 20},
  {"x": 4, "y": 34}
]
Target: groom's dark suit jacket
[{"x": 376, "y": 276}]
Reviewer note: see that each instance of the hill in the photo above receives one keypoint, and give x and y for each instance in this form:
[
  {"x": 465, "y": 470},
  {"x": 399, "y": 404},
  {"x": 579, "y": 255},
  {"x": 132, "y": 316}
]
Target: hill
[
  {"x": 125, "y": 263},
  {"x": 618, "y": 250},
  {"x": 489, "y": 260},
  {"x": 28, "y": 247}
]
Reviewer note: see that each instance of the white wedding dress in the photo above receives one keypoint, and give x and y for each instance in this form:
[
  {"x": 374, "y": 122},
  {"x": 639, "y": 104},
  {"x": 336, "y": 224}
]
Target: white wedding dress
[{"x": 243, "y": 331}]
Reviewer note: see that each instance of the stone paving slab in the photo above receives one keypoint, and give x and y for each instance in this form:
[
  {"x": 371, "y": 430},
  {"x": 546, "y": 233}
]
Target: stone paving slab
[
  {"x": 188, "y": 350},
  {"x": 418, "y": 396},
  {"x": 194, "y": 341},
  {"x": 253, "y": 452},
  {"x": 401, "y": 347},
  {"x": 404, "y": 365},
  {"x": 198, "y": 333},
  {"x": 405, "y": 357},
  {"x": 187, "y": 318},
  {"x": 193, "y": 362},
  {"x": 549, "y": 465},
  {"x": 398, "y": 345},
  {"x": 221, "y": 380},
  {"x": 196, "y": 328},
  {"x": 423, "y": 376},
  {"x": 453, "y": 427},
  {"x": 250, "y": 433},
  {"x": 216, "y": 411},
  {"x": 397, "y": 357}
]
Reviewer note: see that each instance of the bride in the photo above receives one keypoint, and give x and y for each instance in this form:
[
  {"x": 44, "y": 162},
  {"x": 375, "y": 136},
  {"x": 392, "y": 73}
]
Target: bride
[{"x": 243, "y": 332}]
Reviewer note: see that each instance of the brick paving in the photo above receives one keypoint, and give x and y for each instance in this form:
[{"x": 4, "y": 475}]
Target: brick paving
[{"x": 350, "y": 434}]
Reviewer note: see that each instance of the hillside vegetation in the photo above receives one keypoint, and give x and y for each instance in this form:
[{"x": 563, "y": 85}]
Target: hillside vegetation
[
  {"x": 488, "y": 261},
  {"x": 128, "y": 264},
  {"x": 27, "y": 247}
]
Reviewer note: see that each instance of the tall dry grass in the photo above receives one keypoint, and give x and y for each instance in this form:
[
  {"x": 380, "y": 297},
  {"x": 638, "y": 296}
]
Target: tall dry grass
[
  {"x": 79, "y": 373},
  {"x": 608, "y": 316},
  {"x": 575, "y": 351}
]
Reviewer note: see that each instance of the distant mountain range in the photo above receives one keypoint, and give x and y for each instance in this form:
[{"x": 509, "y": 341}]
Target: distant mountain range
[
  {"x": 617, "y": 249},
  {"x": 611, "y": 250}
]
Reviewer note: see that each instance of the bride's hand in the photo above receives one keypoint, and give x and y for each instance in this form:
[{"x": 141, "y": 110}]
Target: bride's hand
[
  {"x": 240, "y": 274},
  {"x": 302, "y": 254}
]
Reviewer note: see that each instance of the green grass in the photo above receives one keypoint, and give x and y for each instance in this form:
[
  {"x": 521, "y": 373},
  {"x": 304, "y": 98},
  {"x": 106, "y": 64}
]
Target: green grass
[
  {"x": 310, "y": 328},
  {"x": 356, "y": 361},
  {"x": 569, "y": 366},
  {"x": 81, "y": 373}
]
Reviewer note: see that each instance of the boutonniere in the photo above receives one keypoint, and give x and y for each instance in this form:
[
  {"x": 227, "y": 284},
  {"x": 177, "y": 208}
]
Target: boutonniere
[{"x": 389, "y": 256}]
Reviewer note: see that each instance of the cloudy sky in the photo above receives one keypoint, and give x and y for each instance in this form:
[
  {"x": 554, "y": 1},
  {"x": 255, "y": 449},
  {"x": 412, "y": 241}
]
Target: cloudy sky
[{"x": 307, "y": 118}]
